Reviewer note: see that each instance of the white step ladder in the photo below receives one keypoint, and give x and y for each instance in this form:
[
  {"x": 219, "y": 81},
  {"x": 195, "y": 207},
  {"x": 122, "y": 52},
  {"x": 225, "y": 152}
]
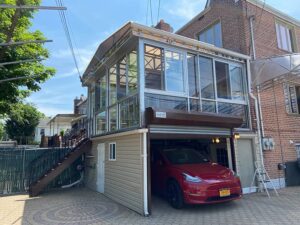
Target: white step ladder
[{"x": 262, "y": 178}]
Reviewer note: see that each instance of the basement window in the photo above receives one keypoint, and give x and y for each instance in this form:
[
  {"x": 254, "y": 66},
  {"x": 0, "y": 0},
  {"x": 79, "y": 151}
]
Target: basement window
[{"x": 112, "y": 152}]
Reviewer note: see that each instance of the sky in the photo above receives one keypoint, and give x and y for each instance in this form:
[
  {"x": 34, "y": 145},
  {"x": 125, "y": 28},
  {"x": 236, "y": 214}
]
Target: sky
[{"x": 90, "y": 23}]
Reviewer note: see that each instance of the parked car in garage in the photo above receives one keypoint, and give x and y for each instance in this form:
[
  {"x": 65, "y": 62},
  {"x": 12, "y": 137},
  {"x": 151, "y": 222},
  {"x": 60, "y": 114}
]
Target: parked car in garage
[{"x": 186, "y": 176}]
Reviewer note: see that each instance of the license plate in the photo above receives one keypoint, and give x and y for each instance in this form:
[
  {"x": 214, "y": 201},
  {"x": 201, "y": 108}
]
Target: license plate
[{"x": 224, "y": 192}]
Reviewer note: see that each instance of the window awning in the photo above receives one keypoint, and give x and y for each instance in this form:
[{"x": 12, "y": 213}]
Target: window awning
[{"x": 275, "y": 68}]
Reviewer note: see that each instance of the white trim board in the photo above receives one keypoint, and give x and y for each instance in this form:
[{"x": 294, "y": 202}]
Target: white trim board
[
  {"x": 249, "y": 190},
  {"x": 278, "y": 183}
]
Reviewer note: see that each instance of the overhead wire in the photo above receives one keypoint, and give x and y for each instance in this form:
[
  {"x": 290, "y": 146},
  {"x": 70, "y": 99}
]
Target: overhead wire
[
  {"x": 158, "y": 11},
  {"x": 68, "y": 36},
  {"x": 151, "y": 14},
  {"x": 74, "y": 37},
  {"x": 147, "y": 12}
]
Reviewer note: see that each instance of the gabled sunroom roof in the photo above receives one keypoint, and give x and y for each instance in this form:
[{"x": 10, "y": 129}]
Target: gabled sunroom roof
[{"x": 131, "y": 29}]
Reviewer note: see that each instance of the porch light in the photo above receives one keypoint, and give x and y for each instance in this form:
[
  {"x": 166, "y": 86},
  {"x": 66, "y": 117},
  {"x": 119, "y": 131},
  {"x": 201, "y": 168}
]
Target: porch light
[
  {"x": 236, "y": 136},
  {"x": 216, "y": 140}
]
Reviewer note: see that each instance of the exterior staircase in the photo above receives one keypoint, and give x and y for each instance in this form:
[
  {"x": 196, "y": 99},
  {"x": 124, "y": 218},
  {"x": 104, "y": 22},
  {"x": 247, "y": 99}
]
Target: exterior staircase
[{"x": 56, "y": 167}]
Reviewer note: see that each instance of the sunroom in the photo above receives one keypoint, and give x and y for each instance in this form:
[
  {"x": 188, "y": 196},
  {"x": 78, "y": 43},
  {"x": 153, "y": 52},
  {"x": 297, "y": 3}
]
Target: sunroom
[{"x": 149, "y": 87}]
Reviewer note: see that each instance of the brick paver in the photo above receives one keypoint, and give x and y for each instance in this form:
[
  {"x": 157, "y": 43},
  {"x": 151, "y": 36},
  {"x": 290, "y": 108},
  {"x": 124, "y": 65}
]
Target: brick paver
[{"x": 82, "y": 206}]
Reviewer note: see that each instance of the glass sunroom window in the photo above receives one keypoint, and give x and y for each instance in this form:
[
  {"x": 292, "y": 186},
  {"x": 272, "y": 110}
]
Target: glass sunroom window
[
  {"x": 207, "y": 78},
  {"x": 223, "y": 80},
  {"x": 174, "y": 71},
  {"x": 132, "y": 72},
  {"x": 103, "y": 91},
  {"x": 154, "y": 75},
  {"x": 101, "y": 123},
  {"x": 129, "y": 112},
  {"x": 121, "y": 78},
  {"x": 192, "y": 75},
  {"x": 113, "y": 113},
  {"x": 113, "y": 85},
  {"x": 237, "y": 83}
]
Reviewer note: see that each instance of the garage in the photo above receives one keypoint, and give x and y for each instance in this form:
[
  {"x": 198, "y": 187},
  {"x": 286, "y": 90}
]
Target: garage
[{"x": 212, "y": 144}]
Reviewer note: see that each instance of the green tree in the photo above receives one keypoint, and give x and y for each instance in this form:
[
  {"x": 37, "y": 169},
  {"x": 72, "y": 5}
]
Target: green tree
[
  {"x": 1, "y": 130},
  {"x": 14, "y": 26},
  {"x": 22, "y": 121}
]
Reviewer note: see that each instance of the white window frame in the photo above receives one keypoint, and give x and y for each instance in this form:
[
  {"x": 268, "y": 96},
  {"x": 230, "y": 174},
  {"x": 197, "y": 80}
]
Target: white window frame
[
  {"x": 288, "y": 32},
  {"x": 110, "y": 151},
  {"x": 212, "y": 26},
  {"x": 297, "y": 148},
  {"x": 290, "y": 99},
  {"x": 184, "y": 70}
]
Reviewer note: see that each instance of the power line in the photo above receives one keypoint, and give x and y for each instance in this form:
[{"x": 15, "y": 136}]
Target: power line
[
  {"x": 68, "y": 36},
  {"x": 158, "y": 11},
  {"x": 147, "y": 12},
  {"x": 151, "y": 13},
  {"x": 72, "y": 35},
  {"x": 24, "y": 42},
  {"x": 6, "y": 6},
  {"x": 20, "y": 61},
  {"x": 18, "y": 78}
]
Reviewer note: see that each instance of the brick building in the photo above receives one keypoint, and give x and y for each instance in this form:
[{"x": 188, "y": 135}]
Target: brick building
[{"x": 272, "y": 39}]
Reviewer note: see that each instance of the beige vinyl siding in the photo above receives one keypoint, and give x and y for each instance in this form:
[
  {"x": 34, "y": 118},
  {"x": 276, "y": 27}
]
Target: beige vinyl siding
[{"x": 123, "y": 177}]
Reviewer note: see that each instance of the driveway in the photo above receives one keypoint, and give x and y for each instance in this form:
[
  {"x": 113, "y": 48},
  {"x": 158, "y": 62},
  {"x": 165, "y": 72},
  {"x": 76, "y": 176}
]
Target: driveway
[{"x": 82, "y": 206}]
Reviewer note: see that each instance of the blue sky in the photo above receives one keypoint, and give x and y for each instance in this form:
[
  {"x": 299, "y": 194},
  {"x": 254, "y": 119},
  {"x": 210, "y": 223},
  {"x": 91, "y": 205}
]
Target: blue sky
[{"x": 91, "y": 21}]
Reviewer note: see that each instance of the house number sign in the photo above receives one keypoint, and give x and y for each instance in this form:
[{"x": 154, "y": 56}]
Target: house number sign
[{"x": 161, "y": 115}]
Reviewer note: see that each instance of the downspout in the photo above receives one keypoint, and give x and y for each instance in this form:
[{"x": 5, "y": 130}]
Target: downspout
[
  {"x": 145, "y": 175},
  {"x": 256, "y": 101},
  {"x": 258, "y": 121},
  {"x": 260, "y": 112},
  {"x": 251, "y": 19}
]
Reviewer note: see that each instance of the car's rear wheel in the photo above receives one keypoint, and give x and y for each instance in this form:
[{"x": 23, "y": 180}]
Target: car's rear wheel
[{"x": 174, "y": 195}]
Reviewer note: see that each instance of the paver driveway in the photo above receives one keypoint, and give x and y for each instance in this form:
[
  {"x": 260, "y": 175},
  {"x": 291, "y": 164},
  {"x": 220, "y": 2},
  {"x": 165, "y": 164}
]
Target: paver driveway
[{"x": 82, "y": 206}]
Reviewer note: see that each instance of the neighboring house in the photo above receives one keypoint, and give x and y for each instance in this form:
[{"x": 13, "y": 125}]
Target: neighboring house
[
  {"x": 42, "y": 128},
  {"x": 148, "y": 88},
  {"x": 79, "y": 124},
  {"x": 63, "y": 122},
  {"x": 80, "y": 105},
  {"x": 272, "y": 39}
]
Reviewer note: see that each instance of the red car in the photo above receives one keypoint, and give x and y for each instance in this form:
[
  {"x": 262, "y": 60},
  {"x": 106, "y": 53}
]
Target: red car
[{"x": 184, "y": 175}]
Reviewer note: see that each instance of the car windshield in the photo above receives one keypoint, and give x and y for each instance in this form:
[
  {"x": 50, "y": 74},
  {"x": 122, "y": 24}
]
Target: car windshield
[{"x": 179, "y": 156}]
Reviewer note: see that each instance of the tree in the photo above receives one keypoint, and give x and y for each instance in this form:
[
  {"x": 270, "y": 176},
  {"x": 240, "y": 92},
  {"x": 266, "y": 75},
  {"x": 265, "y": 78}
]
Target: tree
[
  {"x": 14, "y": 26},
  {"x": 22, "y": 121},
  {"x": 1, "y": 130}
]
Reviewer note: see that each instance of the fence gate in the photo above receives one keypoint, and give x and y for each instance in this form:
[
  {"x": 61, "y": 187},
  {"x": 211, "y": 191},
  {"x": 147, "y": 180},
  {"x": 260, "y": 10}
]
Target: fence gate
[{"x": 16, "y": 168}]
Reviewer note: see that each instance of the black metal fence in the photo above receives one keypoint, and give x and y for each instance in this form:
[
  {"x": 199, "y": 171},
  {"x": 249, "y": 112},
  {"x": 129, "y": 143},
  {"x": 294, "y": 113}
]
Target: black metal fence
[{"x": 20, "y": 166}]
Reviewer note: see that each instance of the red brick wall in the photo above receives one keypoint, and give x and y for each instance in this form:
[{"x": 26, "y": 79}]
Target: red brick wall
[
  {"x": 236, "y": 28},
  {"x": 279, "y": 125},
  {"x": 231, "y": 18}
]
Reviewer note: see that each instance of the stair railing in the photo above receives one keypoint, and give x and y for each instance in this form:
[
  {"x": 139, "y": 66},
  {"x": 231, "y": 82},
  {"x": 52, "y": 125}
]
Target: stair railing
[{"x": 48, "y": 160}]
